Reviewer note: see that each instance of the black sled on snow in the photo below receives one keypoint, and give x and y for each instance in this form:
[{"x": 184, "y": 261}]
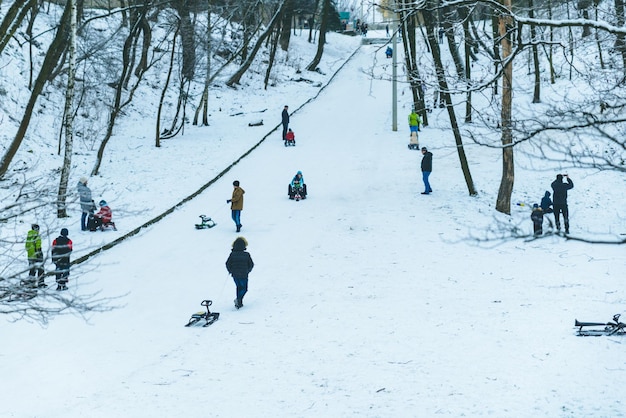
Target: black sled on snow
[
  {"x": 413, "y": 141},
  {"x": 208, "y": 317},
  {"x": 205, "y": 223},
  {"x": 297, "y": 192},
  {"x": 596, "y": 329}
]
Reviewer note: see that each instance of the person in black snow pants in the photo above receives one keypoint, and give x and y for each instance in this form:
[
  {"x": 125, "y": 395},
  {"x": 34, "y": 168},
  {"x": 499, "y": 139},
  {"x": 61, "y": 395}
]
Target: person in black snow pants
[
  {"x": 285, "y": 122},
  {"x": 239, "y": 264},
  {"x": 61, "y": 250},
  {"x": 559, "y": 200}
]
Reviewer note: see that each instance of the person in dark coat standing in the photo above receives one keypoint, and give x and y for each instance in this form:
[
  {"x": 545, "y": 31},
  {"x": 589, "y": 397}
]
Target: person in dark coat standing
[
  {"x": 239, "y": 264},
  {"x": 285, "y": 121},
  {"x": 427, "y": 168},
  {"x": 86, "y": 202},
  {"x": 236, "y": 204},
  {"x": 559, "y": 200},
  {"x": 61, "y": 250}
]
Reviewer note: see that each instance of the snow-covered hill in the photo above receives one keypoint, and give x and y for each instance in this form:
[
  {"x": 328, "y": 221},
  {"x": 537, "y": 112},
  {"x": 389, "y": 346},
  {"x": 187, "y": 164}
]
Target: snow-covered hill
[{"x": 367, "y": 298}]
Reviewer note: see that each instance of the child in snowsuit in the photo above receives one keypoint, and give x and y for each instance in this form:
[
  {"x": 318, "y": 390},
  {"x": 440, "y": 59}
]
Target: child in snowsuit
[
  {"x": 290, "y": 138},
  {"x": 537, "y": 217},
  {"x": 103, "y": 217},
  {"x": 239, "y": 264},
  {"x": 546, "y": 202},
  {"x": 35, "y": 257},
  {"x": 61, "y": 250},
  {"x": 297, "y": 186}
]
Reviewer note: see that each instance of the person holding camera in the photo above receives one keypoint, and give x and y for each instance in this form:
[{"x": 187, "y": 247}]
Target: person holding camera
[{"x": 559, "y": 200}]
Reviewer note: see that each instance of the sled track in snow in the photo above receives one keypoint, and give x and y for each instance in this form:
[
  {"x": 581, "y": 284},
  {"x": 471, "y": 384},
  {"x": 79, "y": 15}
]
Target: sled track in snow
[{"x": 153, "y": 221}]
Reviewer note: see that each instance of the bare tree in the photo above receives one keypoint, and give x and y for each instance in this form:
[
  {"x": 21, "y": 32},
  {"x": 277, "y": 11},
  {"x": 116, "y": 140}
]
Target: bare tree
[
  {"x": 443, "y": 88},
  {"x": 235, "y": 78},
  {"x": 503, "y": 203},
  {"x": 69, "y": 117},
  {"x": 324, "y": 15},
  {"x": 50, "y": 61},
  {"x": 119, "y": 102}
]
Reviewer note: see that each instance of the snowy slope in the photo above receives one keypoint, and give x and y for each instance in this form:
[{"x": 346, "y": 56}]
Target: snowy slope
[{"x": 367, "y": 299}]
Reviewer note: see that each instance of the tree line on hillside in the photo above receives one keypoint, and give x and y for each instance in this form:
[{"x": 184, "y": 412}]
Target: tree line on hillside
[
  {"x": 497, "y": 47},
  {"x": 194, "y": 40},
  {"x": 549, "y": 39}
]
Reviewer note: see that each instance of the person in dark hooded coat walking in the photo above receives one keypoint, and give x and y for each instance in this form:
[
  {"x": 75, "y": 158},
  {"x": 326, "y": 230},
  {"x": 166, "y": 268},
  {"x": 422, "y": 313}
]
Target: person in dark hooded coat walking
[{"x": 239, "y": 264}]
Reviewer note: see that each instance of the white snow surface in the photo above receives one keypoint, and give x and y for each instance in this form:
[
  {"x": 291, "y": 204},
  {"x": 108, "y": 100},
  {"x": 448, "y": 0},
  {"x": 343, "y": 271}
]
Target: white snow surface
[{"x": 367, "y": 299}]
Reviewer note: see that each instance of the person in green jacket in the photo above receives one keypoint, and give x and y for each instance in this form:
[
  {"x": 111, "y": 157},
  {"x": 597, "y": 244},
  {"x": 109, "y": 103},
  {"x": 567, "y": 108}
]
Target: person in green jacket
[
  {"x": 414, "y": 121},
  {"x": 35, "y": 257}
]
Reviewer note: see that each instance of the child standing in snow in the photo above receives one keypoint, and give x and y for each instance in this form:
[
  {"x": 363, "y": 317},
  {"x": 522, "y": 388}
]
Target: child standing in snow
[
  {"x": 537, "y": 217},
  {"x": 239, "y": 264},
  {"x": 35, "y": 257},
  {"x": 61, "y": 250},
  {"x": 290, "y": 138}
]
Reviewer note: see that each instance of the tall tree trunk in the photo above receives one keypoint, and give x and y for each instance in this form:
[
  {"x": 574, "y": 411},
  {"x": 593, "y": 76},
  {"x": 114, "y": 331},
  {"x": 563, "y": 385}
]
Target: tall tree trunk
[
  {"x": 496, "y": 47},
  {"x": 69, "y": 117},
  {"x": 322, "y": 39},
  {"x": 550, "y": 49},
  {"x": 468, "y": 67},
  {"x": 429, "y": 21},
  {"x": 13, "y": 19},
  {"x": 448, "y": 26},
  {"x": 235, "y": 78},
  {"x": 535, "y": 52},
  {"x": 157, "y": 141},
  {"x": 187, "y": 39},
  {"x": 270, "y": 64},
  {"x": 620, "y": 40},
  {"x": 49, "y": 63},
  {"x": 287, "y": 18},
  {"x": 118, "y": 103},
  {"x": 597, "y": 34},
  {"x": 203, "y": 106},
  {"x": 503, "y": 204}
]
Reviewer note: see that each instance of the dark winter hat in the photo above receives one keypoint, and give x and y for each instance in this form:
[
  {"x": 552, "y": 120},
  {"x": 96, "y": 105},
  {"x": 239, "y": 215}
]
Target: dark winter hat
[
  {"x": 535, "y": 206},
  {"x": 102, "y": 203},
  {"x": 424, "y": 149},
  {"x": 236, "y": 183},
  {"x": 35, "y": 227},
  {"x": 559, "y": 176},
  {"x": 547, "y": 194},
  {"x": 64, "y": 232}
]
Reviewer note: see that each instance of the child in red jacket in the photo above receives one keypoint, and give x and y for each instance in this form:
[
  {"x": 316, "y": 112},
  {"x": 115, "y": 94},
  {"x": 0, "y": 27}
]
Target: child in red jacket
[{"x": 290, "y": 138}]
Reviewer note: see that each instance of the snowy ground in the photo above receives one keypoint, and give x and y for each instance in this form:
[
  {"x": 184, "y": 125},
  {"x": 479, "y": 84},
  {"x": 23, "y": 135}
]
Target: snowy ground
[{"x": 367, "y": 299}]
